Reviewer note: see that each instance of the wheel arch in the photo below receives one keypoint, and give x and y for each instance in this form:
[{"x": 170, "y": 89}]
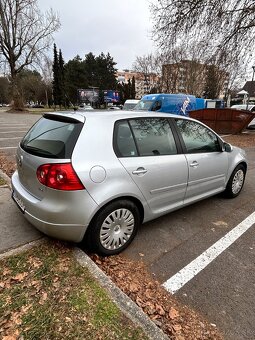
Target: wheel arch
[
  {"x": 244, "y": 164},
  {"x": 133, "y": 199},
  {"x": 228, "y": 190}
]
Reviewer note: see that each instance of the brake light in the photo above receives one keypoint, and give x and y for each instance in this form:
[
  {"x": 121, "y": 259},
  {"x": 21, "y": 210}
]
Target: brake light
[{"x": 59, "y": 176}]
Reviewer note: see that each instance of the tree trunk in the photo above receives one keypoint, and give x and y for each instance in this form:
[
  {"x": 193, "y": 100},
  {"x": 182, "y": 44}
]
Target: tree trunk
[{"x": 17, "y": 104}]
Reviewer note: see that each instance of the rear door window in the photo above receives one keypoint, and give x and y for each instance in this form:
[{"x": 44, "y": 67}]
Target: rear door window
[
  {"x": 153, "y": 136},
  {"x": 144, "y": 137},
  {"x": 52, "y": 137}
]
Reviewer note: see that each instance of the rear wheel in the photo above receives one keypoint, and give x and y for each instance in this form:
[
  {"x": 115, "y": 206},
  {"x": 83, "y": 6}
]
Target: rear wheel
[
  {"x": 236, "y": 182},
  {"x": 114, "y": 228}
]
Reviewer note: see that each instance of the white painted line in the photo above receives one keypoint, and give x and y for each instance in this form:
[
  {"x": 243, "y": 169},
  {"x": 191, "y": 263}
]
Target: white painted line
[
  {"x": 8, "y": 147},
  {"x": 11, "y": 125},
  {"x": 4, "y": 138},
  {"x": 17, "y": 131},
  {"x": 196, "y": 266}
]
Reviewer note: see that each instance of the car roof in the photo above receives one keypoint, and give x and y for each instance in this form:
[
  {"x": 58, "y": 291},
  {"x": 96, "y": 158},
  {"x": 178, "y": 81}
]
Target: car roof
[
  {"x": 112, "y": 115},
  {"x": 131, "y": 101},
  {"x": 242, "y": 106}
]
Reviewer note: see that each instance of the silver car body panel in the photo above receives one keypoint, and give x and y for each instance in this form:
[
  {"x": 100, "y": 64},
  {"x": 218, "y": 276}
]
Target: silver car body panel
[
  {"x": 116, "y": 183},
  {"x": 165, "y": 182},
  {"x": 169, "y": 182},
  {"x": 207, "y": 174},
  {"x": 58, "y": 213}
]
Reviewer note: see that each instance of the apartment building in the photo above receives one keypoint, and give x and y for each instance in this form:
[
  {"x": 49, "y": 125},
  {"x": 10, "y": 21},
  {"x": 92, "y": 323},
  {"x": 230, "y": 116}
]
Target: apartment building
[
  {"x": 191, "y": 77},
  {"x": 184, "y": 77},
  {"x": 144, "y": 83}
]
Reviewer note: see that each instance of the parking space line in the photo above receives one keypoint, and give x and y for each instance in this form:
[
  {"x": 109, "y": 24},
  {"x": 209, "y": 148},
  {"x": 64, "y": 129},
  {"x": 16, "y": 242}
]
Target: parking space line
[
  {"x": 178, "y": 280},
  {"x": 8, "y": 138},
  {"x": 13, "y": 131},
  {"x": 12, "y": 125},
  {"x": 8, "y": 147}
]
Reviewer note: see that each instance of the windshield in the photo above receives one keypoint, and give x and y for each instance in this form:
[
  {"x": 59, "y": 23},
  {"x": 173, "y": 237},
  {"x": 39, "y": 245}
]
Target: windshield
[
  {"x": 144, "y": 105},
  {"x": 128, "y": 106},
  {"x": 52, "y": 138}
]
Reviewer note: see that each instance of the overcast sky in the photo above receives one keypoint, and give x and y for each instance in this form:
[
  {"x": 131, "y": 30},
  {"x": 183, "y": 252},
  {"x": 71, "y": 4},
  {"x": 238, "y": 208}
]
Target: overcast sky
[{"x": 119, "y": 27}]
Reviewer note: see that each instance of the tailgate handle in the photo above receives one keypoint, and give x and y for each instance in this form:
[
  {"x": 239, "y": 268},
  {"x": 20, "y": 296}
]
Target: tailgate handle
[{"x": 139, "y": 171}]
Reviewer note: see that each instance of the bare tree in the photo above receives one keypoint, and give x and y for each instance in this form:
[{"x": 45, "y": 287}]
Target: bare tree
[
  {"x": 47, "y": 73},
  {"x": 223, "y": 30},
  {"x": 25, "y": 35},
  {"x": 177, "y": 70},
  {"x": 148, "y": 67}
]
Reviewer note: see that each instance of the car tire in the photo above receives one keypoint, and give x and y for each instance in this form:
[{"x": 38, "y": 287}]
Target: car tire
[
  {"x": 236, "y": 182},
  {"x": 114, "y": 227}
]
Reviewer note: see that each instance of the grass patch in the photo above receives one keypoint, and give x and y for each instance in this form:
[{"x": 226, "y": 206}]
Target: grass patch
[
  {"x": 46, "y": 294},
  {"x": 2, "y": 181}
]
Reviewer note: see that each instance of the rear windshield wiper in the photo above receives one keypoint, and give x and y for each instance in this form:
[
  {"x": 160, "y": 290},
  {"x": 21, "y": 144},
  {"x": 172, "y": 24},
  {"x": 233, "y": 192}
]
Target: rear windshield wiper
[{"x": 36, "y": 150}]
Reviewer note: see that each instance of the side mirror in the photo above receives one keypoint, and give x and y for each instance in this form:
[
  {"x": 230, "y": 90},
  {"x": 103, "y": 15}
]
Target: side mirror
[{"x": 227, "y": 147}]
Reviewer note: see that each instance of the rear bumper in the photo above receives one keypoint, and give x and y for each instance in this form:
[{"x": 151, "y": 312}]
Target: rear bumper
[
  {"x": 60, "y": 214},
  {"x": 67, "y": 232}
]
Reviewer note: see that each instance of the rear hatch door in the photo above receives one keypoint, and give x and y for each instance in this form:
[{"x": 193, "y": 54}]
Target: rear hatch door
[{"x": 51, "y": 140}]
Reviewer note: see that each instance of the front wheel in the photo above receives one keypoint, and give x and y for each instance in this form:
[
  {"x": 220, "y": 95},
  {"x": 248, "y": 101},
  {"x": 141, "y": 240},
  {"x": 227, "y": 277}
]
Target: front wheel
[
  {"x": 236, "y": 182},
  {"x": 114, "y": 228}
]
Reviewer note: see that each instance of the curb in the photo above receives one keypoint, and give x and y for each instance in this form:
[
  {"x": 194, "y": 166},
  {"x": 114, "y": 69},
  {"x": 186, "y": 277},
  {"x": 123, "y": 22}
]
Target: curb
[
  {"x": 126, "y": 305},
  {"x": 23, "y": 248},
  {"x": 6, "y": 178}
]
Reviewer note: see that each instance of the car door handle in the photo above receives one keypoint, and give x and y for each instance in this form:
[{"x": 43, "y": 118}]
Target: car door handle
[
  {"x": 194, "y": 164},
  {"x": 139, "y": 171}
]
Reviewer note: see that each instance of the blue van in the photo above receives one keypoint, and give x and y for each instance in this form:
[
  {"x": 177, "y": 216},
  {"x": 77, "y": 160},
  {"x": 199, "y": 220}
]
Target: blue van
[{"x": 180, "y": 104}]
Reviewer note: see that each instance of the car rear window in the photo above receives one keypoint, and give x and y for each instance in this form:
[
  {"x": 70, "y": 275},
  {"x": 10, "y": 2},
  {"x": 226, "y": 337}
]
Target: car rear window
[{"x": 52, "y": 137}]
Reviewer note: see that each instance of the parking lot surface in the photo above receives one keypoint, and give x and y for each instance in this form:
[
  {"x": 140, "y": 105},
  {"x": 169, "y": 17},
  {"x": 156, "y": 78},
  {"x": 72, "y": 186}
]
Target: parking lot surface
[
  {"x": 13, "y": 126},
  {"x": 224, "y": 290}
]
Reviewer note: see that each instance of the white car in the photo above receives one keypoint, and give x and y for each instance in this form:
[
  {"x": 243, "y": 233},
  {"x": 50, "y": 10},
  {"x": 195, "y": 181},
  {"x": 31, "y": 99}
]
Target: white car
[{"x": 250, "y": 107}]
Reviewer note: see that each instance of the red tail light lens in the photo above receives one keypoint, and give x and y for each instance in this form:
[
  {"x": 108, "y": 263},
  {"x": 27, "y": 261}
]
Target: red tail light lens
[{"x": 59, "y": 176}]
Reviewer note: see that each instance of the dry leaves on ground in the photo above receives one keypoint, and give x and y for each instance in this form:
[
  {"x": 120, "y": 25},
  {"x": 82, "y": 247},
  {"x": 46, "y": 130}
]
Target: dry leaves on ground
[
  {"x": 242, "y": 140},
  {"x": 7, "y": 165},
  {"x": 177, "y": 321}
]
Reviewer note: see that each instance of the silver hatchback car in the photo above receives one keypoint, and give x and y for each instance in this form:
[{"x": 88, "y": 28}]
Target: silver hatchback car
[{"x": 96, "y": 176}]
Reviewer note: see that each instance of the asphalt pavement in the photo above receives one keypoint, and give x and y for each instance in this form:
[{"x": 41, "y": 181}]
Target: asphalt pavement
[{"x": 15, "y": 231}]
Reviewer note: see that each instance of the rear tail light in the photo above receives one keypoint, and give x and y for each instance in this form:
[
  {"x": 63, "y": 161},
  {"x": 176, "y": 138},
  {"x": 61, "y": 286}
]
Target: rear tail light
[{"x": 59, "y": 176}]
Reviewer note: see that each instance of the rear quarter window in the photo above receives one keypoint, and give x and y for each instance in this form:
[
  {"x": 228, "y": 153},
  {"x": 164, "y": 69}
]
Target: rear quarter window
[{"x": 52, "y": 137}]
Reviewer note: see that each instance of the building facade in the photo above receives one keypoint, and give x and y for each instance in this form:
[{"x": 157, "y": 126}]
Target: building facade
[
  {"x": 144, "y": 83},
  {"x": 192, "y": 77}
]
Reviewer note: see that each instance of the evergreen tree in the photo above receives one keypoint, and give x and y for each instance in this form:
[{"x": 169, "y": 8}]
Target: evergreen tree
[
  {"x": 62, "y": 91},
  {"x": 94, "y": 71},
  {"x": 212, "y": 83},
  {"x": 56, "y": 80},
  {"x": 76, "y": 78},
  {"x": 133, "y": 91},
  {"x": 59, "y": 79}
]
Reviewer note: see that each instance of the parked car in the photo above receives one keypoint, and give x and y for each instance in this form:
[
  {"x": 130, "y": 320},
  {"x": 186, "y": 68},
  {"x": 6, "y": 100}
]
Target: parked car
[
  {"x": 250, "y": 107},
  {"x": 37, "y": 106},
  {"x": 114, "y": 107},
  {"x": 130, "y": 104},
  {"x": 96, "y": 177},
  {"x": 86, "y": 108}
]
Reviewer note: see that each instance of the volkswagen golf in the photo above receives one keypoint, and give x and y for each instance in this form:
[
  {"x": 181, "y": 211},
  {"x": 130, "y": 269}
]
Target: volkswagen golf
[{"x": 96, "y": 176}]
